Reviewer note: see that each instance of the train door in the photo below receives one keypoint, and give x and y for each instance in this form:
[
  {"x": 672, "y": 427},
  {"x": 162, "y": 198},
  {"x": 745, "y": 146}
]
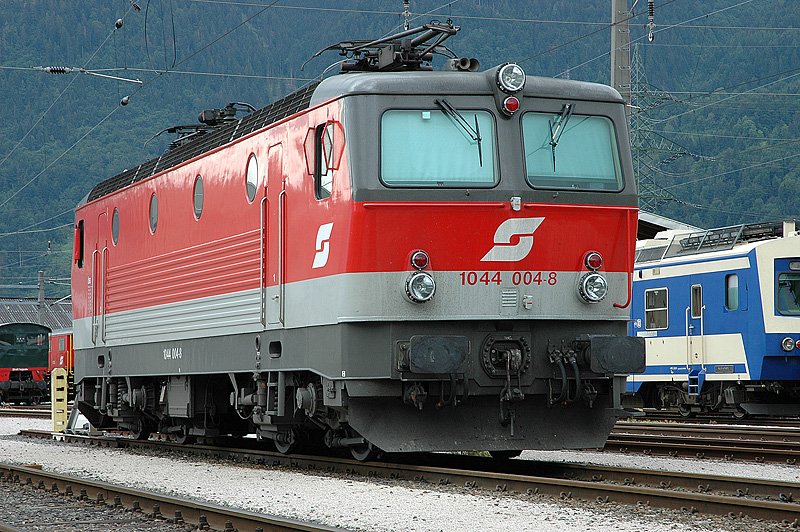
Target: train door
[
  {"x": 695, "y": 326},
  {"x": 274, "y": 216},
  {"x": 99, "y": 270}
]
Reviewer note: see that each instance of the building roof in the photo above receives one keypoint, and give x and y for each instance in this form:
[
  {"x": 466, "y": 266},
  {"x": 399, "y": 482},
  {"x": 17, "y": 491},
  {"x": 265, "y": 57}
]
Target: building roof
[
  {"x": 651, "y": 224},
  {"x": 54, "y": 313}
]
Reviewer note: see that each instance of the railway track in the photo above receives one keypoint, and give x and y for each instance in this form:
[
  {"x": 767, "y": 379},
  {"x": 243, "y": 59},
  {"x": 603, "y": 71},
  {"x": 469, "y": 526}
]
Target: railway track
[
  {"x": 36, "y": 413},
  {"x": 174, "y": 509},
  {"x": 687, "y": 440},
  {"x": 690, "y": 492}
]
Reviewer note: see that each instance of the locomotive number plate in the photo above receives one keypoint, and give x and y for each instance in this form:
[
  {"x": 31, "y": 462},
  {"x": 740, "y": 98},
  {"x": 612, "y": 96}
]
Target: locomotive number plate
[{"x": 526, "y": 278}]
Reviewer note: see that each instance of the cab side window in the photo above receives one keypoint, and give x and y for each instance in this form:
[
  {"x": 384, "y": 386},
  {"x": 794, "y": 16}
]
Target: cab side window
[{"x": 323, "y": 161}]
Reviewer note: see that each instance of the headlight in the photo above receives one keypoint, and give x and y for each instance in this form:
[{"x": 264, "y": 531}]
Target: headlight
[
  {"x": 420, "y": 287},
  {"x": 510, "y": 78},
  {"x": 593, "y": 287},
  {"x": 787, "y": 344}
]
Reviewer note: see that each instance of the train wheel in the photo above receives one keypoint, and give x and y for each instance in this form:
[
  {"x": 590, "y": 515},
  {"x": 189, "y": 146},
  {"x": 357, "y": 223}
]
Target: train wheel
[
  {"x": 363, "y": 451},
  {"x": 504, "y": 455},
  {"x": 140, "y": 430},
  {"x": 183, "y": 437},
  {"x": 739, "y": 413},
  {"x": 288, "y": 447},
  {"x": 684, "y": 411}
]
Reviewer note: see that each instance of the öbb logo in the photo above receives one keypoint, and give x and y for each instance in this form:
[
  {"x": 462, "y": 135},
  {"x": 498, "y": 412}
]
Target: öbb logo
[
  {"x": 503, "y": 250},
  {"x": 323, "y": 245}
]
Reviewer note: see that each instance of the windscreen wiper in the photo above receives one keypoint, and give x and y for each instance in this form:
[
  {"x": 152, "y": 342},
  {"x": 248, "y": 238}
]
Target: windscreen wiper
[
  {"x": 458, "y": 118},
  {"x": 557, "y": 128}
]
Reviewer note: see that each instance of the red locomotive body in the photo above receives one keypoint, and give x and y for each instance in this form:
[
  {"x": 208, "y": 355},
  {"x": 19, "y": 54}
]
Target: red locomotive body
[{"x": 354, "y": 263}]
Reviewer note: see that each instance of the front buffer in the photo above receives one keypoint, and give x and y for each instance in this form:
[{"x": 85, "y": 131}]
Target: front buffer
[{"x": 496, "y": 391}]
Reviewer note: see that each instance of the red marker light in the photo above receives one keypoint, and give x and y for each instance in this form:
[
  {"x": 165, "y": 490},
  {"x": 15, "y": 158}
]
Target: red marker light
[
  {"x": 510, "y": 105},
  {"x": 594, "y": 261},
  {"x": 419, "y": 260}
]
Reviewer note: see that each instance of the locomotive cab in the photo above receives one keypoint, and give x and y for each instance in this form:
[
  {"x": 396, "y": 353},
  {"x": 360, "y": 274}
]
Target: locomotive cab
[{"x": 420, "y": 261}]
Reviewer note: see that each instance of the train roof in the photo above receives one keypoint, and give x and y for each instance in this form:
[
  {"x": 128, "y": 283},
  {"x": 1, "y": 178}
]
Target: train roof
[
  {"x": 353, "y": 83},
  {"x": 54, "y": 313},
  {"x": 676, "y": 244},
  {"x": 455, "y": 82}
]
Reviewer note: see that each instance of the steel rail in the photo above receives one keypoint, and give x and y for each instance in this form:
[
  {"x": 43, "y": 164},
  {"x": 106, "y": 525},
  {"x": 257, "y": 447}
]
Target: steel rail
[
  {"x": 25, "y": 412},
  {"x": 719, "y": 432},
  {"x": 691, "y": 492},
  {"x": 697, "y": 447},
  {"x": 153, "y": 504}
]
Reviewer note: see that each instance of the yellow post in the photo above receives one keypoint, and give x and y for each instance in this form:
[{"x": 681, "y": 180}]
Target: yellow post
[{"x": 58, "y": 399}]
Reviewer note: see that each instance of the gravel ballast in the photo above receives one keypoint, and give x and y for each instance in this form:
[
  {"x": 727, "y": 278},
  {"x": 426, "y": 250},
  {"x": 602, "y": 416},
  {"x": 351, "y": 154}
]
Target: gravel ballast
[{"x": 372, "y": 504}]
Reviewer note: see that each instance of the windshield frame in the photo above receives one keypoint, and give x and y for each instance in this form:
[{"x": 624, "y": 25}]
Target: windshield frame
[
  {"x": 576, "y": 116},
  {"x": 778, "y": 307},
  {"x": 434, "y": 108}
]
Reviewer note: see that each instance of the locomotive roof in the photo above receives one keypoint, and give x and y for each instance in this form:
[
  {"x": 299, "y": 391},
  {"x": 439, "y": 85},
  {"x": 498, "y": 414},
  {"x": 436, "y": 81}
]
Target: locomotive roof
[
  {"x": 447, "y": 82},
  {"x": 454, "y": 82}
]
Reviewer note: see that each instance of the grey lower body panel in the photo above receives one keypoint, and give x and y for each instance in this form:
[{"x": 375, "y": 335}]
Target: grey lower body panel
[{"x": 475, "y": 425}]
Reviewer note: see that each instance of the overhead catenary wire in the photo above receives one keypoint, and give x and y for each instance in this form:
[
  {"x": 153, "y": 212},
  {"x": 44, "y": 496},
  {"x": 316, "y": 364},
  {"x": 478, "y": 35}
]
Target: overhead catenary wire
[
  {"x": 63, "y": 91},
  {"x": 666, "y": 28},
  {"x": 117, "y": 107}
]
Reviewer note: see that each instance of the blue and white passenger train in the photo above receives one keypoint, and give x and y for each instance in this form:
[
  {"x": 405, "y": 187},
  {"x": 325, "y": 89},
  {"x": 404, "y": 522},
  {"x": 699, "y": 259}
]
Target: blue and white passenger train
[{"x": 720, "y": 312}]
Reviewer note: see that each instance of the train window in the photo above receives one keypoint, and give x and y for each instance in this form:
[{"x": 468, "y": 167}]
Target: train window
[
  {"x": 62, "y": 343},
  {"x": 77, "y": 245},
  {"x": 198, "y": 197},
  {"x": 566, "y": 151},
  {"x": 697, "y": 301},
  {"x": 323, "y": 161},
  {"x": 656, "y": 315},
  {"x": 251, "y": 179},
  {"x": 115, "y": 226},
  {"x": 153, "y": 213},
  {"x": 428, "y": 148},
  {"x": 787, "y": 299},
  {"x": 732, "y": 291}
]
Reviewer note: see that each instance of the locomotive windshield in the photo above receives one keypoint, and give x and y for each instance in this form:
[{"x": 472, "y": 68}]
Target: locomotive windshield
[
  {"x": 434, "y": 148},
  {"x": 570, "y": 151},
  {"x": 788, "y": 297}
]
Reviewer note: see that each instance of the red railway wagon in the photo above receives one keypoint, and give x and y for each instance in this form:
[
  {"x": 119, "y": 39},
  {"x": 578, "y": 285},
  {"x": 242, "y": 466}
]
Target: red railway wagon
[
  {"x": 391, "y": 258},
  {"x": 23, "y": 363},
  {"x": 61, "y": 354}
]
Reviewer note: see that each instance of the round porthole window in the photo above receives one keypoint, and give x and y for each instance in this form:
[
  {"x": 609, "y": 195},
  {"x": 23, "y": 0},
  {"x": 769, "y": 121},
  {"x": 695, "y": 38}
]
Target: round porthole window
[
  {"x": 153, "y": 213},
  {"x": 115, "y": 226},
  {"x": 252, "y": 177},
  {"x": 198, "y": 197}
]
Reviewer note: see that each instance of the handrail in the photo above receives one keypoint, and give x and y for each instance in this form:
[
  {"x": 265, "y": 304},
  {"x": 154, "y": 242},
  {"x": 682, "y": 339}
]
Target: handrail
[
  {"x": 281, "y": 254},
  {"x": 261, "y": 268},
  {"x": 104, "y": 271},
  {"x": 702, "y": 339},
  {"x": 94, "y": 298},
  {"x": 629, "y": 260},
  {"x": 688, "y": 341}
]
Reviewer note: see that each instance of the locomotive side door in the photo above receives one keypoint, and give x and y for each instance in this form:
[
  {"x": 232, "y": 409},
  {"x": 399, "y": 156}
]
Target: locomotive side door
[
  {"x": 274, "y": 217},
  {"x": 99, "y": 269},
  {"x": 695, "y": 330}
]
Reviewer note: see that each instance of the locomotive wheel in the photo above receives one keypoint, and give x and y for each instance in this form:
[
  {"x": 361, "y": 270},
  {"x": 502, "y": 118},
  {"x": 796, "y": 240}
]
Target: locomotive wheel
[
  {"x": 140, "y": 430},
  {"x": 288, "y": 448},
  {"x": 684, "y": 411},
  {"x": 504, "y": 455},
  {"x": 739, "y": 413},
  {"x": 364, "y": 451},
  {"x": 183, "y": 437}
]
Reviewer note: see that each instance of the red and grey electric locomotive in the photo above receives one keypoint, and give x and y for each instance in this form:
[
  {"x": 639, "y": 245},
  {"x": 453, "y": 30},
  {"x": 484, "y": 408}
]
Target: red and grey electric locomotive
[{"x": 392, "y": 258}]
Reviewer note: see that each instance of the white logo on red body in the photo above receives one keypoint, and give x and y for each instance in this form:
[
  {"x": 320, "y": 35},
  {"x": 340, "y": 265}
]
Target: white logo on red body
[
  {"x": 503, "y": 250},
  {"x": 323, "y": 245}
]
